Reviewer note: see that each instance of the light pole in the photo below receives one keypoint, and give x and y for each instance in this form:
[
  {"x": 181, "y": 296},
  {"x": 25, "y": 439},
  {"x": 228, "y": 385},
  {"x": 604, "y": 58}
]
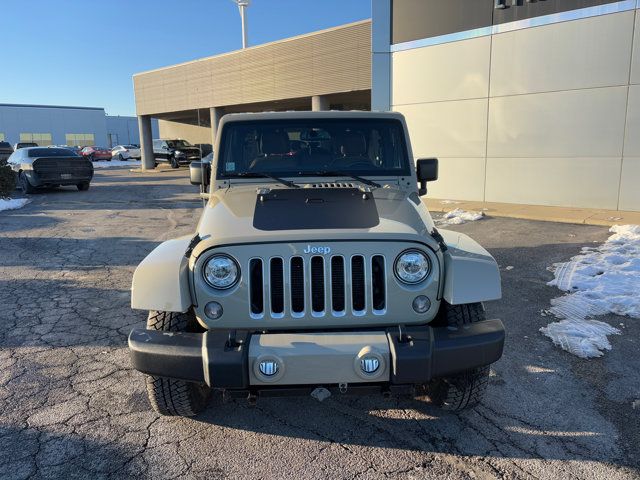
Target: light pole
[{"x": 242, "y": 6}]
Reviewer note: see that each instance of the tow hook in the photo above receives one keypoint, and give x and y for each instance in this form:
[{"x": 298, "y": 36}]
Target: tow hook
[{"x": 343, "y": 387}]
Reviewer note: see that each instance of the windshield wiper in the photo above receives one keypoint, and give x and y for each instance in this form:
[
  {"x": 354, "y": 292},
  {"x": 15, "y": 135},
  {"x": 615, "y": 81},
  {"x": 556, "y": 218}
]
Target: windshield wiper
[
  {"x": 267, "y": 175},
  {"x": 329, "y": 173}
]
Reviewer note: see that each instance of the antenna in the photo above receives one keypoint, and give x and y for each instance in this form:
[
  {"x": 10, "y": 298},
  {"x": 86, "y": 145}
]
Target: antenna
[{"x": 242, "y": 6}]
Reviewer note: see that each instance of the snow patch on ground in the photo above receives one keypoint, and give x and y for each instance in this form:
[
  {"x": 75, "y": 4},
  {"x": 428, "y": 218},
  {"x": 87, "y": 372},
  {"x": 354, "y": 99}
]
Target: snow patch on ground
[
  {"x": 117, "y": 163},
  {"x": 459, "y": 216},
  {"x": 600, "y": 280},
  {"x": 12, "y": 203}
]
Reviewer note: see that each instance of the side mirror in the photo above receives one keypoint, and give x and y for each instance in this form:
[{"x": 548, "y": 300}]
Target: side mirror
[
  {"x": 199, "y": 173},
  {"x": 426, "y": 171}
]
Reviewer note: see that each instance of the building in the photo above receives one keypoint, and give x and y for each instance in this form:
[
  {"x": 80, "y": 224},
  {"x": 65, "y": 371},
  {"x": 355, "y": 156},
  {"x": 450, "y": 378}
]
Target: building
[
  {"x": 533, "y": 103},
  {"x": 523, "y": 102},
  {"x": 322, "y": 70},
  {"x": 61, "y": 125}
]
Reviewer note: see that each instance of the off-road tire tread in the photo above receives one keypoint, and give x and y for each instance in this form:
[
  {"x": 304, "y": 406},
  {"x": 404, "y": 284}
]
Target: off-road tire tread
[
  {"x": 459, "y": 315},
  {"x": 460, "y": 392},
  {"x": 465, "y": 390},
  {"x": 169, "y": 396}
]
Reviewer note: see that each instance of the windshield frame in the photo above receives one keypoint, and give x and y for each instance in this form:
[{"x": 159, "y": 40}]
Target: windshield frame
[{"x": 406, "y": 171}]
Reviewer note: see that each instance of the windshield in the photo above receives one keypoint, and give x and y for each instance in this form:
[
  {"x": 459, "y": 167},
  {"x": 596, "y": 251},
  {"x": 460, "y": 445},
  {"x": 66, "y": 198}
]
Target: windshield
[
  {"x": 51, "y": 152},
  {"x": 178, "y": 143},
  {"x": 321, "y": 147}
]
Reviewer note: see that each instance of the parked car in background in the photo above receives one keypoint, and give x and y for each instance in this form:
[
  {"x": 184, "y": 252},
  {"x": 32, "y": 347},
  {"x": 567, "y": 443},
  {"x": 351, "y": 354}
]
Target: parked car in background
[
  {"x": 175, "y": 152},
  {"x": 73, "y": 148},
  {"x": 37, "y": 167},
  {"x": 125, "y": 152},
  {"x": 24, "y": 145},
  {"x": 5, "y": 150},
  {"x": 96, "y": 153}
]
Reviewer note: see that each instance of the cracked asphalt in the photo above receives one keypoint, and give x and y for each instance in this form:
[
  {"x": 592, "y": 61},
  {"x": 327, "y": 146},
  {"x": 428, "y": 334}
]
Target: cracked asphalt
[{"x": 72, "y": 407}]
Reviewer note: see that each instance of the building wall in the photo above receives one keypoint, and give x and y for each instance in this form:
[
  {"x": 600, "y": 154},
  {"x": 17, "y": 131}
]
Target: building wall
[
  {"x": 56, "y": 121},
  {"x": 320, "y": 63},
  {"x": 124, "y": 130},
  {"x": 524, "y": 111},
  {"x": 191, "y": 133}
]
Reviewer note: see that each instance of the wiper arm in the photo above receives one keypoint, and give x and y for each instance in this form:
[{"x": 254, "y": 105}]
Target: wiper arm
[
  {"x": 328, "y": 173},
  {"x": 267, "y": 175}
]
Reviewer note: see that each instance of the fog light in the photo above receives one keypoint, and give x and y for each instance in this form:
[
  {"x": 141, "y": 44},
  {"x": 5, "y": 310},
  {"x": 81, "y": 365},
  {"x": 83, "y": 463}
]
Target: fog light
[
  {"x": 369, "y": 364},
  {"x": 421, "y": 304},
  {"x": 213, "y": 310},
  {"x": 268, "y": 368}
]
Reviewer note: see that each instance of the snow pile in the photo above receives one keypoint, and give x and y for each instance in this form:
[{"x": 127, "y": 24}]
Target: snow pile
[
  {"x": 12, "y": 203},
  {"x": 117, "y": 163},
  {"x": 600, "y": 280},
  {"x": 459, "y": 216}
]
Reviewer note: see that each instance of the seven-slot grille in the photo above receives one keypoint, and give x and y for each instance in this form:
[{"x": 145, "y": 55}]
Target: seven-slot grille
[{"x": 317, "y": 286}]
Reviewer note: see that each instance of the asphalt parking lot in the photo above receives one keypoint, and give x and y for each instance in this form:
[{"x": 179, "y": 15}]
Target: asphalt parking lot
[{"x": 71, "y": 406}]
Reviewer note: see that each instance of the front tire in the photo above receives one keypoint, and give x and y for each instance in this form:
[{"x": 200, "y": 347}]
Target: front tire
[
  {"x": 174, "y": 162},
  {"x": 120, "y": 157},
  {"x": 83, "y": 187},
  {"x": 466, "y": 389},
  {"x": 168, "y": 396}
]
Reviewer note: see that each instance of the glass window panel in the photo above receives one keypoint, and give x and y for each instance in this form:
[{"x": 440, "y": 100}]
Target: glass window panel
[{"x": 80, "y": 139}]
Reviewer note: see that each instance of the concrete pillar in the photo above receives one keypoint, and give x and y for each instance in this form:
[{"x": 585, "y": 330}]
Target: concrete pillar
[
  {"x": 380, "y": 55},
  {"x": 319, "y": 103},
  {"x": 146, "y": 142},
  {"x": 215, "y": 114}
]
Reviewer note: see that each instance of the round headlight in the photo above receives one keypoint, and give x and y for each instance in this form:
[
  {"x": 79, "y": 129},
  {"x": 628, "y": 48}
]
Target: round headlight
[
  {"x": 221, "y": 271},
  {"x": 412, "y": 266}
]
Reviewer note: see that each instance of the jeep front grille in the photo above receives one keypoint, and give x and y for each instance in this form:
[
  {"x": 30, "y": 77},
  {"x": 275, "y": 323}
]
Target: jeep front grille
[{"x": 317, "y": 286}]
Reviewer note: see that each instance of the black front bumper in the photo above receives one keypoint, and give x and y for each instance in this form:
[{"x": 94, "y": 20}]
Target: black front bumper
[{"x": 421, "y": 354}]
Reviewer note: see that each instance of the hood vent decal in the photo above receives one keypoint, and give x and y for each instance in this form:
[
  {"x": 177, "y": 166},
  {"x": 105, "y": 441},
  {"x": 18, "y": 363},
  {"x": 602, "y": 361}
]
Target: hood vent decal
[{"x": 321, "y": 208}]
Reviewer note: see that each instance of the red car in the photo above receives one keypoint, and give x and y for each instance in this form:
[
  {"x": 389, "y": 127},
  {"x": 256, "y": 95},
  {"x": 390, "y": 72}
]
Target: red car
[{"x": 96, "y": 153}]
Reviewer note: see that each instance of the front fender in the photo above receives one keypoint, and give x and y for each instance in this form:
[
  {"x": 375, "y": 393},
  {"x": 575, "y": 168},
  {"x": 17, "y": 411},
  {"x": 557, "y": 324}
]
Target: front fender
[
  {"x": 471, "y": 274},
  {"x": 161, "y": 281}
]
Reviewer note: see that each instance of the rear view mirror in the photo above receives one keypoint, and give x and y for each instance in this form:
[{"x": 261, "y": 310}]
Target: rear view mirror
[
  {"x": 199, "y": 173},
  {"x": 426, "y": 171}
]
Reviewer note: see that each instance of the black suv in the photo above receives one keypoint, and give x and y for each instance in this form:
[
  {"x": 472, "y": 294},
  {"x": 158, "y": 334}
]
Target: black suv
[{"x": 176, "y": 152}]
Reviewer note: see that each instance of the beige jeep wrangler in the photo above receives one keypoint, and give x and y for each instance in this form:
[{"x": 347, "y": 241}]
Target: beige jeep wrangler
[{"x": 315, "y": 269}]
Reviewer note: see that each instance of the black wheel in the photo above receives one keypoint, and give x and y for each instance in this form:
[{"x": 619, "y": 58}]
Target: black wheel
[
  {"x": 90, "y": 157},
  {"x": 25, "y": 184},
  {"x": 120, "y": 157},
  {"x": 83, "y": 187},
  {"x": 175, "y": 397},
  {"x": 174, "y": 162},
  {"x": 465, "y": 390}
]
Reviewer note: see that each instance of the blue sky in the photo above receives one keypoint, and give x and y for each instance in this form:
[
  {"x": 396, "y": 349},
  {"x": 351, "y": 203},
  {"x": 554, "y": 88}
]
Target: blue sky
[{"x": 84, "y": 52}]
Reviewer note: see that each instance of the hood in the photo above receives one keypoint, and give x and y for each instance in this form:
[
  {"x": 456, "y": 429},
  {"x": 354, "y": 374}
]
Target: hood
[{"x": 242, "y": 215}]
